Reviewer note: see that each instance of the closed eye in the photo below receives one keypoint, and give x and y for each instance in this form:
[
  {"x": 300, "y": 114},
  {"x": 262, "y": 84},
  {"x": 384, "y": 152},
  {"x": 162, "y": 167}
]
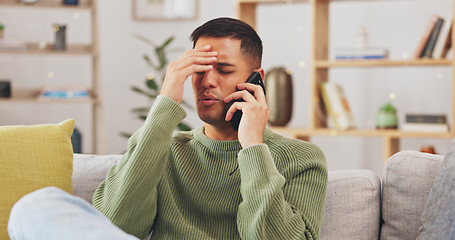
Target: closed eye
[{"x": 224, "y": 71}]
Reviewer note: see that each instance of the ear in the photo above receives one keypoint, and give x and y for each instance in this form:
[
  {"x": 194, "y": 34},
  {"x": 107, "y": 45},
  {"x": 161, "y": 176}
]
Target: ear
[{"x": 262, "y": 72}]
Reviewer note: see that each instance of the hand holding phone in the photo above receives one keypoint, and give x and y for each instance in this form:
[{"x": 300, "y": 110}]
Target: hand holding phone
[{"x": 254, "y": 78}]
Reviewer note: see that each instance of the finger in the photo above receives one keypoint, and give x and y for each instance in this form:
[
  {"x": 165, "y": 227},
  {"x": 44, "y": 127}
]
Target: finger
[
  {"x": 195, "y": 58},
  {"x": 257, "y": 90},
  {"x": 205, "y": 51},
  {"x": 199, "y": 52},
  {"x": 233, "y": 108},
  {"x": 244, "y": 95},
  {"x": 190, "y": 65}
]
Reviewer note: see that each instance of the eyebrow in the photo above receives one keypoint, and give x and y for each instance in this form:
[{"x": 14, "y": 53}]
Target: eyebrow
[{"x": 225, "y": 64}]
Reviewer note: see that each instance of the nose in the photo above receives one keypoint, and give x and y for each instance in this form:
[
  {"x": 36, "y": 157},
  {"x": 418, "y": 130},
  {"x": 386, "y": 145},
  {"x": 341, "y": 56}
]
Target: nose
[{"x": 209, "y": 80}]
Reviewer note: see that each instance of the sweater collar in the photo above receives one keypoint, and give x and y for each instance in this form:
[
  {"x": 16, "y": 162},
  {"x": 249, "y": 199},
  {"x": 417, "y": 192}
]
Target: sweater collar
[{"x": 233, "y": 145}]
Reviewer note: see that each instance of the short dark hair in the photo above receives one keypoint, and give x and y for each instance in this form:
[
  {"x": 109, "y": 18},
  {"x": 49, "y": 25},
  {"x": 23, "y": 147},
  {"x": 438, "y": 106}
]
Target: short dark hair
[{"x": 250, "y": 42}]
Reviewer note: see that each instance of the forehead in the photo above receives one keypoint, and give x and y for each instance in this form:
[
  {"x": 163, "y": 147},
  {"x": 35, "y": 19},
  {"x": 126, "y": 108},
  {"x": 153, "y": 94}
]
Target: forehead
[{"x": 227, "y": 48}]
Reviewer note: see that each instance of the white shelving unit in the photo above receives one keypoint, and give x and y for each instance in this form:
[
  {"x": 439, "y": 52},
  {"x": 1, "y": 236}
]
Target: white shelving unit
[{"x": 25, "y": 99}]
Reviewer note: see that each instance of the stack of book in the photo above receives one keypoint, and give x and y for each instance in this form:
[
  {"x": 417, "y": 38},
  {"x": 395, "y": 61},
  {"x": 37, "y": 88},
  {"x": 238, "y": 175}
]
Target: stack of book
[
  {"x": 426, "y": 123},
  {"x": 66, "y": 92},
  {"x": 12, "y": 44},
  {"x": 337, "y": 106},
  {"x": 360, "y": 54},
  {"x": 436, "y": 39}
]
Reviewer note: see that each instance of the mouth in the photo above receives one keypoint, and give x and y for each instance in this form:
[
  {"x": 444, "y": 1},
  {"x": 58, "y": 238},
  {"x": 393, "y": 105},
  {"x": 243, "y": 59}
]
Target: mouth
[{"x": 208, "y": 99}]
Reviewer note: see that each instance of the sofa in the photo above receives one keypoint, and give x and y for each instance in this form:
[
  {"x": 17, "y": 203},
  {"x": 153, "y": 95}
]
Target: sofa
[{"x": 359, "y": 204}]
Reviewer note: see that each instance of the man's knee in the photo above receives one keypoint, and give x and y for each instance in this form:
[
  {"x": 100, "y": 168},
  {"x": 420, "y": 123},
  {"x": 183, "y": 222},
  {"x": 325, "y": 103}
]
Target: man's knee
[{"x": 31, "y": 200}]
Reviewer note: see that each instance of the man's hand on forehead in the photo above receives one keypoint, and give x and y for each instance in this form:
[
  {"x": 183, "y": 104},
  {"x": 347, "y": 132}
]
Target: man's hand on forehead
[{"x": 192, "y": 61}]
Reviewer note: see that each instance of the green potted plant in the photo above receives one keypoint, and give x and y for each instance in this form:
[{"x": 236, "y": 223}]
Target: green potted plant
[
  {"x": 153, "y": 82},
  {"x": 386, "y": 117}
]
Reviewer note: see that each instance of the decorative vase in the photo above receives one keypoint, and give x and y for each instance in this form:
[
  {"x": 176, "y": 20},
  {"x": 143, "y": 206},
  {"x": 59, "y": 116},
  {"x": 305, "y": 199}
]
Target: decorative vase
[
  {"x": 76, "y": 141},
  {"x": 386, "y": 117},
  {"x": 278, "y": 86},
  {"x": 5, "y": 89},
  {"x": 60, "y": 37}
]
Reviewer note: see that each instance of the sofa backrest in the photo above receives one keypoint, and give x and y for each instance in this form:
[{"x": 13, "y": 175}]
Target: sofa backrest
[
  {"x": 353, "y": 205},
  {"x": 89, "y": 171},
  {"x": 407, "y": 179},
  {"x": 352, "y": 208}
]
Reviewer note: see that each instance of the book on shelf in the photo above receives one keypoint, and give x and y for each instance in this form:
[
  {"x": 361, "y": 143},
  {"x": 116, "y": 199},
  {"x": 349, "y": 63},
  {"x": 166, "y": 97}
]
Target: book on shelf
[
  {"x": 425, "y": 123},
  {"x": 426, "y": 118},
  {"x": 12, "y": 44},
  {"x": 444, "y": 42},
  {"x": 429, "y": 47},
  {"x": 337, "y": 106},
  {"x": 64, "y": 92},
  {"x": 360, "y": 54},
  {"x": 420, "y": 49}
]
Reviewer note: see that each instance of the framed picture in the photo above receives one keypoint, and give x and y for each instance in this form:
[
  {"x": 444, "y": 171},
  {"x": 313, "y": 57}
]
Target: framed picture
[{"x": 149, "y": 10}]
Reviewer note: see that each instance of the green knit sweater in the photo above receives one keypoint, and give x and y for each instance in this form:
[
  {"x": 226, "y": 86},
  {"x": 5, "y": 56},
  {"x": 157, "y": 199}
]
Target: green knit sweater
[{"x": 184, "y": 185}]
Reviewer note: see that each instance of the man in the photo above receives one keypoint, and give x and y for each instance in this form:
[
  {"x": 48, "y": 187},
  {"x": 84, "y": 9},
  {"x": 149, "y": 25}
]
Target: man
[{"x": 214, "y": 182}]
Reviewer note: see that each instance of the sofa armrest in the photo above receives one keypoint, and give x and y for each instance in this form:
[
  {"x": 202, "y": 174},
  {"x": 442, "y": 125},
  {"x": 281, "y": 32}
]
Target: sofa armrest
[{"x": 89, "y": 171}]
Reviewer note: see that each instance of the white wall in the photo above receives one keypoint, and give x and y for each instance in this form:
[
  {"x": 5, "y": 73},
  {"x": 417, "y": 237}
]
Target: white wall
[
  {"x": 285, "y": 31},
  {"x": 123, "y": 66}
]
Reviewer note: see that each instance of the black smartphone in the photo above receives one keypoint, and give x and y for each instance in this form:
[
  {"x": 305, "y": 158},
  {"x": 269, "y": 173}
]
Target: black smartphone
[{"x": 254, "y": 78}]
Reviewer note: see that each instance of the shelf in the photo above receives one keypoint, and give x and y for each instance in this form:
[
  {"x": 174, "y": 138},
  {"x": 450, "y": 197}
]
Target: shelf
[
  {"x": 383, "y": 63},
  {"x": 57, "y": 4},
  {"x": 296, "y": 1},
  {"x": 34, "y": 49},
  {"x": 31, "y": 96},
  {"x": 271, "y": 1},
  {"x": 319, "y": 72},
  {"x": 303, "y": 132}
]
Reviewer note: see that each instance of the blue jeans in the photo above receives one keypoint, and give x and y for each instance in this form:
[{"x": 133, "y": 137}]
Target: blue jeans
[{"x": 52, "y": 213}]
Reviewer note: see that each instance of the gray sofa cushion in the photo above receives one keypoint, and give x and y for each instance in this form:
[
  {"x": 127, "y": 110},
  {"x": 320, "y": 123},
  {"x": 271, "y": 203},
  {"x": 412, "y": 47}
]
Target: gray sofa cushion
[
  {"x": 408, "y": 178},
  {"x": 89, "y": 171},
  {"x": 352, "y": 209}
]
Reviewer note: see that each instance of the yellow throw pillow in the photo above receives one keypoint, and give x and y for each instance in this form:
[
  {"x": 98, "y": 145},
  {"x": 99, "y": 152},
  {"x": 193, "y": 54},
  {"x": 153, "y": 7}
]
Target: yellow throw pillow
[{"x": 33, "y": 157}]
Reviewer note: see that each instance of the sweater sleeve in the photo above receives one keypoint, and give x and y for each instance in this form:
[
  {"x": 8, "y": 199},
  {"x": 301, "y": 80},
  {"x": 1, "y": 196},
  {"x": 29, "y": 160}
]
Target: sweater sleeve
[
  {"x": 275, "y": 207},
  {"x": 128, "y": 195}
]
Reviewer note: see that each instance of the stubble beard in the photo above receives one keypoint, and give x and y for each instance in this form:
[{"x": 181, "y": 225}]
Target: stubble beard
[{"x": 214, "y": 115}]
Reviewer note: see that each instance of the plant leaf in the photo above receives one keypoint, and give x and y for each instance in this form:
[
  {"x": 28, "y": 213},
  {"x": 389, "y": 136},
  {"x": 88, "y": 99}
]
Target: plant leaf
[
  {"x": 151, "y": 84},
  {"x": 161, "y": 58},
  {"x": 127, "y": 135},
  {"x": 140, "y": 110},
  {"x": 149, "y": 61},
  {"x": 183, "y": 127},
  {"x": 167, "y": 42},
  {"x": 144, "y": 39},
  {"x": 140, "y": 91}
]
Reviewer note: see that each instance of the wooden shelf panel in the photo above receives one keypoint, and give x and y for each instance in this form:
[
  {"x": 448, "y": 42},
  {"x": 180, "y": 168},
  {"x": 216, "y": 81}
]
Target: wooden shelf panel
[
  {"x": 34, "y": 49},
  {"x": 58, "y": 4},
  {"x": 295, "y": 1},
  {"x": 383, "y": 63},
  {"x": 296, "y": 132},
  {"x": 271, "y": 1},
  {"x": 32, "y": 96}
]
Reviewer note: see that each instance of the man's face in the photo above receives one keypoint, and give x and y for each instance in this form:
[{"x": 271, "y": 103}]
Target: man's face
[{"x": 210, "y": 88}]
